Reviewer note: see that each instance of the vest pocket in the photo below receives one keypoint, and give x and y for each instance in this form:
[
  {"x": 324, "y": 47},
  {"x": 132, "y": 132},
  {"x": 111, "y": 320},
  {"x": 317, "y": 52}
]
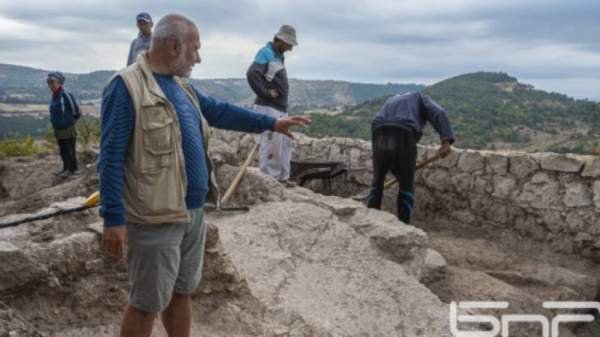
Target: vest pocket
[{"x": 158, "y": 138}]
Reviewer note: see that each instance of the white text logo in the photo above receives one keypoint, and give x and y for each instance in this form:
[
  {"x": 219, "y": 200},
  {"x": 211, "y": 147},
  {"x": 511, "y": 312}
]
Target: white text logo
[{"x": 550, "y": 328}]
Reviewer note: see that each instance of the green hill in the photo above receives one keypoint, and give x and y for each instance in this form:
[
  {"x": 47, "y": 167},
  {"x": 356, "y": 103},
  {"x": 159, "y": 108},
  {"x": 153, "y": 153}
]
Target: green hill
[
  {"x": 490, "y": 110},
  {"x": 20, "y": 84}
]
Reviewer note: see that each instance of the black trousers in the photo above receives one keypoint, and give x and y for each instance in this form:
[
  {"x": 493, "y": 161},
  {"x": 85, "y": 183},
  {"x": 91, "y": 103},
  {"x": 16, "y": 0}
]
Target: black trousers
[
  {"x": 68, "y": 153},
  {"x": 395, "y": 150}
]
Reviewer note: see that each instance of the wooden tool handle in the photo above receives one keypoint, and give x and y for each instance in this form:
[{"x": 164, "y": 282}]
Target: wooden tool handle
[
  {"x": 239, "y": 176},
  {"x": 418, "y": 167}
]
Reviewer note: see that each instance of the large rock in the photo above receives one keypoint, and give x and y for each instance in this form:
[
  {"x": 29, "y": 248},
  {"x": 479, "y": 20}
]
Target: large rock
[
  {"x": 438, "y": 179},
  {"x": 591, "y": 168},
  {"x": 577, "y": 195},
  {"x": 68, "y": 255},
  {"x": 500, "y": 214},
  {"x": 223, "y": 152},
  {"x": 17, "y": 269},
  {"x": 463, "y": 182},
  {"x": 471, "y": 161},
  {"x": 575, "y": 222},
  {"x": 318, "y": 276},
  {"x": 482, "y": 185},
  {"x": 396, "y": 241},
  {"x": 253, "y": 188},
  {"x": 434, "y": 268},
  {"x": 450, "y": 161},
  {"x": 553, "y": 221},
  {"x": 504, "y": 187},
  {"x": 522, "y": 165},
  {"x": 541, "y": 192},
  {"x": 497, "y": 163},
  {"x": 560, "y": 162}
]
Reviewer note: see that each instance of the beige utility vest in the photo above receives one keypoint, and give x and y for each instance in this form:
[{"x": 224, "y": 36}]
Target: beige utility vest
[{"x": 155, "y": 181}]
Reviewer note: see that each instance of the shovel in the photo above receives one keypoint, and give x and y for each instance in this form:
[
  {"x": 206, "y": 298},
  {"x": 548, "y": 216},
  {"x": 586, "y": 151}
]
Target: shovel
[
  {"x": 91, "y": 202},
  {"x": 221, "y": 204}
]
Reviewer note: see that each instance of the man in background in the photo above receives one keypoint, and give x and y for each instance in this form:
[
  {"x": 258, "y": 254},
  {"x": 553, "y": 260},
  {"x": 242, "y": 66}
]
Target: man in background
[
  {"x": 396, "y": 130},
  {"x": 268, "y": 79},
  {"x": 64, "y": 113},
  {"x": 142, "y": 42}
]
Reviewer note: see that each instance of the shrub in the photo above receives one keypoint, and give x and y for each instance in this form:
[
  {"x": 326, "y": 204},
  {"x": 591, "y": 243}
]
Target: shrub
[{"x": 14, "y": 147}]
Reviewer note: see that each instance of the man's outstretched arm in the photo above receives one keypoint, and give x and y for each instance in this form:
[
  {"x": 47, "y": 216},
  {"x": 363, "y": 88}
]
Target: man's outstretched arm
[{"x": 228, "y": 116}]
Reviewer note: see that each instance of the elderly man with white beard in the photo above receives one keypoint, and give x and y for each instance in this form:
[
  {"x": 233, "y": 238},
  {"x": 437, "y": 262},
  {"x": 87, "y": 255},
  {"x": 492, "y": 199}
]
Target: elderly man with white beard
[{"x": 155, "y": 174}]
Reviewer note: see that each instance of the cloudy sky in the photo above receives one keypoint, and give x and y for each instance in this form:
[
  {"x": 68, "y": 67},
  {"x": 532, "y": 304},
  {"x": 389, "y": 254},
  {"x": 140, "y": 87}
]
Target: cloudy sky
[{"x": 549, "y": 43}]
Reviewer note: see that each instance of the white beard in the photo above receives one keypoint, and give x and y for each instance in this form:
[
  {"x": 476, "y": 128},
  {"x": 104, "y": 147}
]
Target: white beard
[{"x": 179, "y": 65}]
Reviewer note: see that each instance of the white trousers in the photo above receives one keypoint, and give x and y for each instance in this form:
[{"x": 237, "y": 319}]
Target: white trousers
[{"x": 275, "y": 151}]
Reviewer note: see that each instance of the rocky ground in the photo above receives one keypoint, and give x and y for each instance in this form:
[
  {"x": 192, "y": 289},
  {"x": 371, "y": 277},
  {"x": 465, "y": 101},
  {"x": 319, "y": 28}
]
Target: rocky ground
[{"x": 297, "y": 264}]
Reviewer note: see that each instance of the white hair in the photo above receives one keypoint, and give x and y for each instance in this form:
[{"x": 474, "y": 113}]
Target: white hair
[{"x": 172, "y": 26}]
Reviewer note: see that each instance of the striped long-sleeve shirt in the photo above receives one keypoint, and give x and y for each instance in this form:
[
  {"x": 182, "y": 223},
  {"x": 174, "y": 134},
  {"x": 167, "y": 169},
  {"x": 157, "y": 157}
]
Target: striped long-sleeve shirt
[{"x": 117, "y": 122}]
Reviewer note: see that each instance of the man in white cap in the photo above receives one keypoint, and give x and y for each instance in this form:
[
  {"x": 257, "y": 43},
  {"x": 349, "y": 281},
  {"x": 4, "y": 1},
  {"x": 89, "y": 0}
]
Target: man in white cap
[
  {"x": 268, "y": 79},
  {"x": 142, "y": 42}
]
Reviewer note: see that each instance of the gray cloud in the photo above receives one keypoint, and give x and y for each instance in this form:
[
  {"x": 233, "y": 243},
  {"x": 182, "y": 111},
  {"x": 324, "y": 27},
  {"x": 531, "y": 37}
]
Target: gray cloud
[{"x": 551, "y": 42}]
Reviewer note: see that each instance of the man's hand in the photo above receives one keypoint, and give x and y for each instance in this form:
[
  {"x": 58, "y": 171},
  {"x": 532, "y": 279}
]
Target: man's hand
[
  {"x": 283, "y": 124},
  {"x": 273, "y": 93},
  {"x": 444, "y": 150},
  {"x": 114, "y": 241}
]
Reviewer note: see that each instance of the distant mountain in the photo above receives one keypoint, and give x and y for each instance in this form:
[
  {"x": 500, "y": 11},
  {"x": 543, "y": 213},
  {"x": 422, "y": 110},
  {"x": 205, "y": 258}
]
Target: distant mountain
[
  {"x": 28, "y": 85},
  {"x": 490, "y": 110},
  {"x": 20, "y": 84}
]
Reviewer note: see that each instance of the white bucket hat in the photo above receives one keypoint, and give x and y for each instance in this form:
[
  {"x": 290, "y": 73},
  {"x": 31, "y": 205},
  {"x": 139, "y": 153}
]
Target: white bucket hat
[{"x": 287, "y": 34}]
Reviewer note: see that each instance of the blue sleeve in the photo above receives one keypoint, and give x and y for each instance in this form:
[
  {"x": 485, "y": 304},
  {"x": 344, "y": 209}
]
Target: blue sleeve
[
  {"x": 438, "y": 117},
  {"x": 224, "y": 115},
  {"x": 116, "y": 127}
]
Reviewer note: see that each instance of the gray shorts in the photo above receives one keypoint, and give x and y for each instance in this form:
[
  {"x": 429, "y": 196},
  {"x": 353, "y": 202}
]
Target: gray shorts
[{"x": 164, "y": 259}]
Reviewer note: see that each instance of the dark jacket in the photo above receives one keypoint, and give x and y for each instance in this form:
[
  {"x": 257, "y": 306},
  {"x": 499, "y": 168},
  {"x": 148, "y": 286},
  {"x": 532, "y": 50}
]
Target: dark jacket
[
  {"x": 64, "y": 110},
  {"x": 411, "y": 111},
  {"x": 268, "y": 72}
]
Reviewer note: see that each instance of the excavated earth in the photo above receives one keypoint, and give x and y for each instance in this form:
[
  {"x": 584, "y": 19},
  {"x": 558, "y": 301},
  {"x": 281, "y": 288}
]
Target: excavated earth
[{"x": 298, "y": 263}]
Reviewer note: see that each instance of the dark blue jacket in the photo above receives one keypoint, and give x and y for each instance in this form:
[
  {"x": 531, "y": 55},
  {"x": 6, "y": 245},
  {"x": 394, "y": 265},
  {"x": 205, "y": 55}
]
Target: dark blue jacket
[
  {"x": 64, "y": 111},
  {"x": 411, "y": 111}
]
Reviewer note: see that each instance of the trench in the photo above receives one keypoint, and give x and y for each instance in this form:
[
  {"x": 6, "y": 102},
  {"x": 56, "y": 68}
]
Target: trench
[
  {"x": 491, "y": 263},
  {"x": 86, "y": 298}
]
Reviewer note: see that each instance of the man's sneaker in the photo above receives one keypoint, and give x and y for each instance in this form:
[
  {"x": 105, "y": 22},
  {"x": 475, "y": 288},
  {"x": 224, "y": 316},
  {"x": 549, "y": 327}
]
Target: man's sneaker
[
  {"x": 58, "y": 173},
  {"x": 76, "y": 173},
  {"x": 288, "y": 183},
  {"x": 65, "y": 174}
]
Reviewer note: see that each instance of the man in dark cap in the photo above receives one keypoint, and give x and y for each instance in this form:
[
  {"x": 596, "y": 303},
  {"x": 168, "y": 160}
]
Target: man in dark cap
[
  {"x": 268, "y": 79},
  {"x": 64, "y": 113},
  {"x": 142, "y": 42}
]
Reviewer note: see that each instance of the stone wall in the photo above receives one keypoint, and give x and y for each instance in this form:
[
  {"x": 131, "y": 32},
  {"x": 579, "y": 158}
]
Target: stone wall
[
  {"x": 546, "y": 196},
  {"x": 549, "y": 197}
]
